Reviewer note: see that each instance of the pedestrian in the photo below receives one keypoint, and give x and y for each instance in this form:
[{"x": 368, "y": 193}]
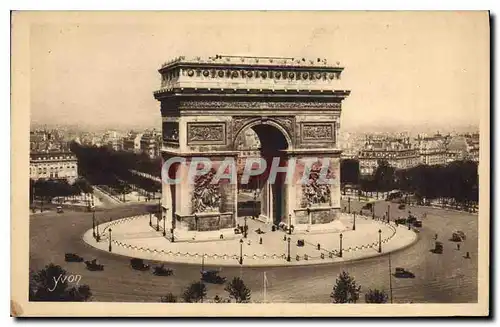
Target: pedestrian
[{"x": 458, "y": 246}]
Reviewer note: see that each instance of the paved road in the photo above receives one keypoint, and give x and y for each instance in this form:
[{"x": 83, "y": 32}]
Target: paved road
[{"x": 439, "y": 278}]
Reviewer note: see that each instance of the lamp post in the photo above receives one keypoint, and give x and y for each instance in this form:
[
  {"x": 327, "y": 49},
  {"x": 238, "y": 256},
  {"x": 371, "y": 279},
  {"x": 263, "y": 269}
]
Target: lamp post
[
  {"x": 93, "y": 223},
  {"x": 241, "y": 251},
  {"x": 388, "y": 213},
  {"x": 150, "y": 222},
  {"x": 290, "y": 224},
  {"x": 109, "y": 239},
  {"x": 340, "y": 251},
  {"x": 97, "y": 236},
  {"x": 349, "y": 205},
  {"x": 164, "y": 230},
  {"x": 255, "y": 204},
  {"x": 379, "y": 241},
  {"x": 245, "y": 228},
  {"x": 354, "y": 222},
  {"x": 288, "y": 257},
  {"x": 159, "y": 216}
]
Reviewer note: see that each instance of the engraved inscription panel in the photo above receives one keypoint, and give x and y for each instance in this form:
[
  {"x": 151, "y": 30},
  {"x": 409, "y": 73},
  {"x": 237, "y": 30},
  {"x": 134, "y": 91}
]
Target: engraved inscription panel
[{"x": 318, "y": 132}]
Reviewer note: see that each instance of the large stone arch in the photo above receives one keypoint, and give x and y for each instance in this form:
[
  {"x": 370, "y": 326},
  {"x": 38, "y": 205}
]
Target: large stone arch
[
  {"x": 256, "y": 121},
  {"x": 207, "y": 103}
]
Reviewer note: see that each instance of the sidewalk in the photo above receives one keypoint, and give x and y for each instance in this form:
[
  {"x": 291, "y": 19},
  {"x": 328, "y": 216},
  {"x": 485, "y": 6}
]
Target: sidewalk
[{"x": 134, "y": 237}]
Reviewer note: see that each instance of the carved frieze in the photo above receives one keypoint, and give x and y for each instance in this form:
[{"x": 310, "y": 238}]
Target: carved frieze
[
  {"x": 257, "y": 105},
  {"x": 315, "y": 191},
  {"x": 206, "y": 133},
  {"x": 206, "y": 195},
  {"x": 311, "y": 132}
]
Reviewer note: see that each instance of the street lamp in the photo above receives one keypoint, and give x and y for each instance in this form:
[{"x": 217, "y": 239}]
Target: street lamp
[
  {"x": 109, "y": 239},
  {"x": 150, "y": 222},
  {"x": 159, "y": 216},
  {"x": 245, "y": 228},
  {"x": 241, "y": 251},
  {"x": 164, "y": 218},
  {"x": 93, "y": 223},
  {"x": 379, "y": 241},
  {"x": 354, "y": 222},
  {"x": 340, "y": 251},
  {"x": 388, "y": 213},
  {"x": 97, "y": 236},
  {"x": 290, "y": 223},
  {"x": 288, "y": 258},
  {"x": 349, "y": 205},
  {"x": 255, "y": 204}
]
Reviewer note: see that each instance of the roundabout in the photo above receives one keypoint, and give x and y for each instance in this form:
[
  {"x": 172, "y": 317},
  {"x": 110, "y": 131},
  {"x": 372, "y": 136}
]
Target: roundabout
[
  {"x": 445, "y": 278},
  {"x": 344, "y": 240}
]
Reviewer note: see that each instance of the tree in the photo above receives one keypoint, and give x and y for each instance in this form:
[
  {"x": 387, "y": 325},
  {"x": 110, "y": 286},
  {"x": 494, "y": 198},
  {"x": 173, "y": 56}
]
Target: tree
[
  {"x": 345, "y": 289},
  {"x": 349, "y": 171},
  {"x": 376, "y": 296},
  {"x": 169, "y": 298},
  {"x": 384, "y": 176},
  {"x": 51, "y": 284},
  {"x": 238, "y": 290},
  {"x": 195, "y": 292}
]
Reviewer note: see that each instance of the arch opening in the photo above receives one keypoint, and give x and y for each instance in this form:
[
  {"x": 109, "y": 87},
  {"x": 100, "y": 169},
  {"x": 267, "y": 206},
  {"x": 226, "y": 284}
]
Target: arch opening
[{"x": 261, "y": 198}]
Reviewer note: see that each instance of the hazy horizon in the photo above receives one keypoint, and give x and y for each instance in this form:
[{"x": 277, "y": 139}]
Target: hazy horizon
[{"x": 404, "y": 69}]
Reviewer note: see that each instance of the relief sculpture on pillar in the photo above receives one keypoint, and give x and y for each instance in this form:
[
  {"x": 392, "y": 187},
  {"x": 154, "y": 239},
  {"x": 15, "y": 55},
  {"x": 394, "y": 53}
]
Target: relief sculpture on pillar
[
  {"x": 314, "y": 192},
  {"x": 206, "y": 196}
]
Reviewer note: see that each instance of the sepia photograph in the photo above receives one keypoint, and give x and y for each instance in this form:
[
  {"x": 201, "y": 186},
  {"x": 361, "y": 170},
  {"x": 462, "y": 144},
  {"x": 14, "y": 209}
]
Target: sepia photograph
[{"x": 250, "y": 163}]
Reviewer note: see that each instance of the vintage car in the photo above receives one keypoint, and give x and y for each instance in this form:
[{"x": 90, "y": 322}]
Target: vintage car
[
  {"x": 212, "y": 276},
  {"x": 162, "y": 271},
  {"x": 138, "y": 264},
  {"x": 438, "y": 248},
  {"x": 458, "y": 236},
  {"x": 417, "y": 223},
  {"x": 403, "y": 273},
  {"x": 300, "y": 242},
  {"x": 401, "y": 221},
  {"x": 72, "y": 257},
  {"x": 411, "y": 219},
  {"x": 402, "y": 206},
  {"x": 93, "y": 265},
  {"x": 59, "y": 209}
]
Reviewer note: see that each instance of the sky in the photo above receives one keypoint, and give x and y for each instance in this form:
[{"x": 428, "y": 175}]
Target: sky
[{"x": 404, "y": 69}]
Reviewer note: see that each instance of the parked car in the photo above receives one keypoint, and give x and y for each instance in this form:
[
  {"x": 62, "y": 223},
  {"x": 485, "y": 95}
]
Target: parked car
[
  {"x": 138, "y": 264},
  {"x": 72, "y": 257},
  {"x": 417, "y": 223},
  {"x": 403, "y": 273},
  {"x": 402, "y": 206},
  {"x": 438, "y": 248},
  {"x": 300, "y": 243},
  {"x": 212, "y": 276},
  {"x": 458, "y": 236},
  {"x": 93, "y": 265},
  {"x": 59, "y": 209},
  {"x": 401, "y": 221},
  {"x": 411, "y": 219},
  {"x": 162, "y": 271}
]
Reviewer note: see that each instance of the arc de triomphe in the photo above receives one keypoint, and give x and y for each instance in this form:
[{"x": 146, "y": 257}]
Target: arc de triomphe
[{"x": 294, "y": 107}]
